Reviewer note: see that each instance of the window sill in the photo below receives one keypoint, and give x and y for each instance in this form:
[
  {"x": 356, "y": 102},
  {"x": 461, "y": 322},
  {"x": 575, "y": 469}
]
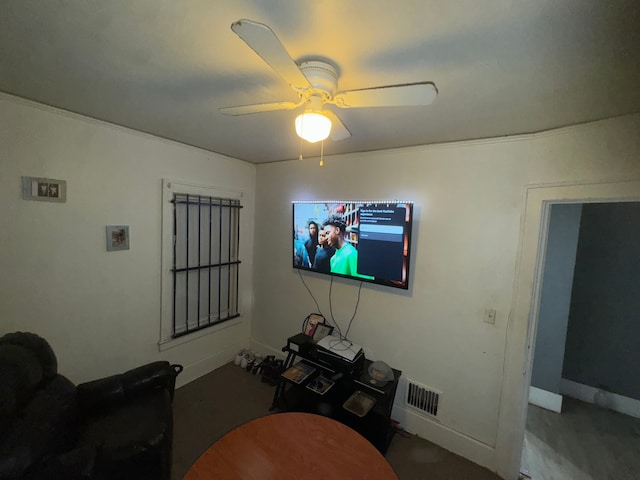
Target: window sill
[{"x": 170, "y": 343}]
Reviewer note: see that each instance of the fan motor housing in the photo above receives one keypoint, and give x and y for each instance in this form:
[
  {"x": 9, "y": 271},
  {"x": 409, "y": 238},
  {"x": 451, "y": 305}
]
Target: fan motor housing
[{"x": 322, "y": 76}]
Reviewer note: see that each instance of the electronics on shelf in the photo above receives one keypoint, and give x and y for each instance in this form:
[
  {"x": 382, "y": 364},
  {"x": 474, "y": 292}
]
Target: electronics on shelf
[
  {"x": 300, "y": 343},
  {"x": 317, "y": 378},
  {"x": 340, "y": 347}
]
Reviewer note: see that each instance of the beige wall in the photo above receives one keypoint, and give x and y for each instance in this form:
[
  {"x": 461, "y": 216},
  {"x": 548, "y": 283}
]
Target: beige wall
[
  {"x": 469, "y": 198},
  {"x": 101, "y": 310}
]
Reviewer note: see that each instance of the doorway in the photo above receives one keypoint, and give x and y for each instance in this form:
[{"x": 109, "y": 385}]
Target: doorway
[
  {"x": 594, "y": 310},
  {"x": 523, "y": 319}
]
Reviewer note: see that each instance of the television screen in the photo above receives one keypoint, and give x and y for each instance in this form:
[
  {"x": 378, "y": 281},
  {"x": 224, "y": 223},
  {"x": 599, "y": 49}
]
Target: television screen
[{"x": 367, "y": 240}]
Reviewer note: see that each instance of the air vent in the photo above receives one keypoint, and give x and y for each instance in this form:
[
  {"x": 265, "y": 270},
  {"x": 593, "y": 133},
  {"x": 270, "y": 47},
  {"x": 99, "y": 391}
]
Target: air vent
[{"x": 423, "y": 399}]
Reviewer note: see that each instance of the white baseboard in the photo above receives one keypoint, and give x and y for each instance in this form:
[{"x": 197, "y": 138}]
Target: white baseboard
[
  {"x": 612, "y": 401},
  {"x": 204, "y": 366},
  {"x": 263, "y": 349},
  {"x": 545, "y": 399},
  {"x": 455, "y": 442}
]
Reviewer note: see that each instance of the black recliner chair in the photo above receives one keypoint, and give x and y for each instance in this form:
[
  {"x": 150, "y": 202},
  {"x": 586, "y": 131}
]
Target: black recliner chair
[{"x": 119, "y": 427}]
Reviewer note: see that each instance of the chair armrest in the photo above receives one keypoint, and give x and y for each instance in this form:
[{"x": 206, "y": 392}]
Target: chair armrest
[
  {"x": 151, "y": 376},
  {"x": 111, "y": 391},
  {"x": 100, "y": 394}
]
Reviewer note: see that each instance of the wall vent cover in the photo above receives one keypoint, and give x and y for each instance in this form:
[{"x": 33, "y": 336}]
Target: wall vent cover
[{"x": 423, "y": 399}]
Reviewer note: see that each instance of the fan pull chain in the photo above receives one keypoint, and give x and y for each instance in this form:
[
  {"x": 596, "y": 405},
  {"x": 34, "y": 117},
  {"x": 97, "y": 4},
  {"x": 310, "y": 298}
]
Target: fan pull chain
[{"x": 322, "y": 154}]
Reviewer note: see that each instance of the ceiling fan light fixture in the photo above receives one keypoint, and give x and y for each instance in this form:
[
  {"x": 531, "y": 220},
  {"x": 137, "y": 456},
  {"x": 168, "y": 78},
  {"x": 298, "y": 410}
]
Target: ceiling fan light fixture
[{"x": 313, "y": 126}]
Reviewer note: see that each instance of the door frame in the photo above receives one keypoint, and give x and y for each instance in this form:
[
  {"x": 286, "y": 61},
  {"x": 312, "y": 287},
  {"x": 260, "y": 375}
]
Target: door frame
[{"x": 523, "y": 316}]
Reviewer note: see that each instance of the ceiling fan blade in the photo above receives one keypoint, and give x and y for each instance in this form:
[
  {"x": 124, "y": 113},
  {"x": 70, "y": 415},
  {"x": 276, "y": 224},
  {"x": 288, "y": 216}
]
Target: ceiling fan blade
[
  {"x": 338, "y": 130},
  {"x": 408, "y": 95},
  {"x": 265, "y": 43},
  {"x": 259, "y": 107}
]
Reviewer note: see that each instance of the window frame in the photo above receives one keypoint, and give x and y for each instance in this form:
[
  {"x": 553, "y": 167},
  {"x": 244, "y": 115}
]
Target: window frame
[{"x": 169, "y": 189}]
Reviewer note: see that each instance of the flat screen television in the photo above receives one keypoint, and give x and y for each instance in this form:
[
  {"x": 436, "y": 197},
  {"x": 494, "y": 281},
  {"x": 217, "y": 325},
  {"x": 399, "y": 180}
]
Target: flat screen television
[{"x": 362, "y": 240}]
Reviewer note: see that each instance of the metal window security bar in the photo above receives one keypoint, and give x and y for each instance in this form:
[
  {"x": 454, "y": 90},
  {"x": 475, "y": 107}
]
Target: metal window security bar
[{"x": 206, "y": 239}]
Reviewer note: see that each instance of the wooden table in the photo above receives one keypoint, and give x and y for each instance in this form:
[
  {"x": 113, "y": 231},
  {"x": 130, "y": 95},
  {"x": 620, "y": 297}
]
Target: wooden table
[{"x": 296, "y": 446}]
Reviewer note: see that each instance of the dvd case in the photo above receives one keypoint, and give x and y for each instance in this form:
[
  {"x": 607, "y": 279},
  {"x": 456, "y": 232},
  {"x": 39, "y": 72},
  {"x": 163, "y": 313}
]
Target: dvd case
[
  {"x": 320, "y": 385},
  {"x": 299, "y": 372},
  {"x": 359, "y": 403}
]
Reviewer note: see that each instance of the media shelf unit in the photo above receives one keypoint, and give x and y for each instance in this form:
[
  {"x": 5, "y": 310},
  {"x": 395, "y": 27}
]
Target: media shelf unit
[{"x": 376, "y": 426}]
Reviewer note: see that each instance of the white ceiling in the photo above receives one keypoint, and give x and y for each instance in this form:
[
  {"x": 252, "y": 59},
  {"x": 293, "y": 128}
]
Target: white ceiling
[{"x": 165, "y": 67}]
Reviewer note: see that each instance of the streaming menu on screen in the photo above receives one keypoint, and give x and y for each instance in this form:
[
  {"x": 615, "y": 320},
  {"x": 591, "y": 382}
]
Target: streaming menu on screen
[{"x": 381, "y": 241}]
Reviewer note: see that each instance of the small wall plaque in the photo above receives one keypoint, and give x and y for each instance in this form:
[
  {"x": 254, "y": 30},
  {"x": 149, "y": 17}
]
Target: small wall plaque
[
  {"x": 44, "y": 189},
  {"x": 117, "y": 237}
]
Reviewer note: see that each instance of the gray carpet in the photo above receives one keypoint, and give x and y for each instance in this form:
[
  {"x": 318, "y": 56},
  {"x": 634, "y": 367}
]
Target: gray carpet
[
  {"x": 209, "y": 407},
  {"x": 585, "y": 441}
]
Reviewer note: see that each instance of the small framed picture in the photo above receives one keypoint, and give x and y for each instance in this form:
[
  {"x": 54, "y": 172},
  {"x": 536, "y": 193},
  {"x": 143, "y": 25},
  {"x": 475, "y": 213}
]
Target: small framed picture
[
  {"x": 311, "y": 322},
  {"x": 117, "y": 237},
  {"x": 321, "y": 331},
  {"x": 44, "y": 189}
]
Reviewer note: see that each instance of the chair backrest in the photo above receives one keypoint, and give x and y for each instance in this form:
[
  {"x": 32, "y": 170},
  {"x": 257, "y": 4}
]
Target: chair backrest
[
  {"x": 26, "y": 362},
  {"x": 38, "y": 346}
]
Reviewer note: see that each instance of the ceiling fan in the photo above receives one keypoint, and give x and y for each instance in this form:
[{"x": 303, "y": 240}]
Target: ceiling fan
[{"x": 315, "y": 80}]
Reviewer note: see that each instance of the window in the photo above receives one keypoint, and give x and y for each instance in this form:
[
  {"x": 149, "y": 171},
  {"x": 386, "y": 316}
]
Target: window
[{"x": 201, "y": 234}]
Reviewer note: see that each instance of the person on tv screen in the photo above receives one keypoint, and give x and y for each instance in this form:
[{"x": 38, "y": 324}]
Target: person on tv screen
[
  {"x": 324, "y": 253},
  {"x": 345, "y": 259},
  {"x": 300, "y": 255},
  {"x": 312, "y": 242}
]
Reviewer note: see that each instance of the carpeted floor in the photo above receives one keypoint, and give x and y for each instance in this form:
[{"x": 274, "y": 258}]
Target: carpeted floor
[{"x": 206, "y": 409}]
